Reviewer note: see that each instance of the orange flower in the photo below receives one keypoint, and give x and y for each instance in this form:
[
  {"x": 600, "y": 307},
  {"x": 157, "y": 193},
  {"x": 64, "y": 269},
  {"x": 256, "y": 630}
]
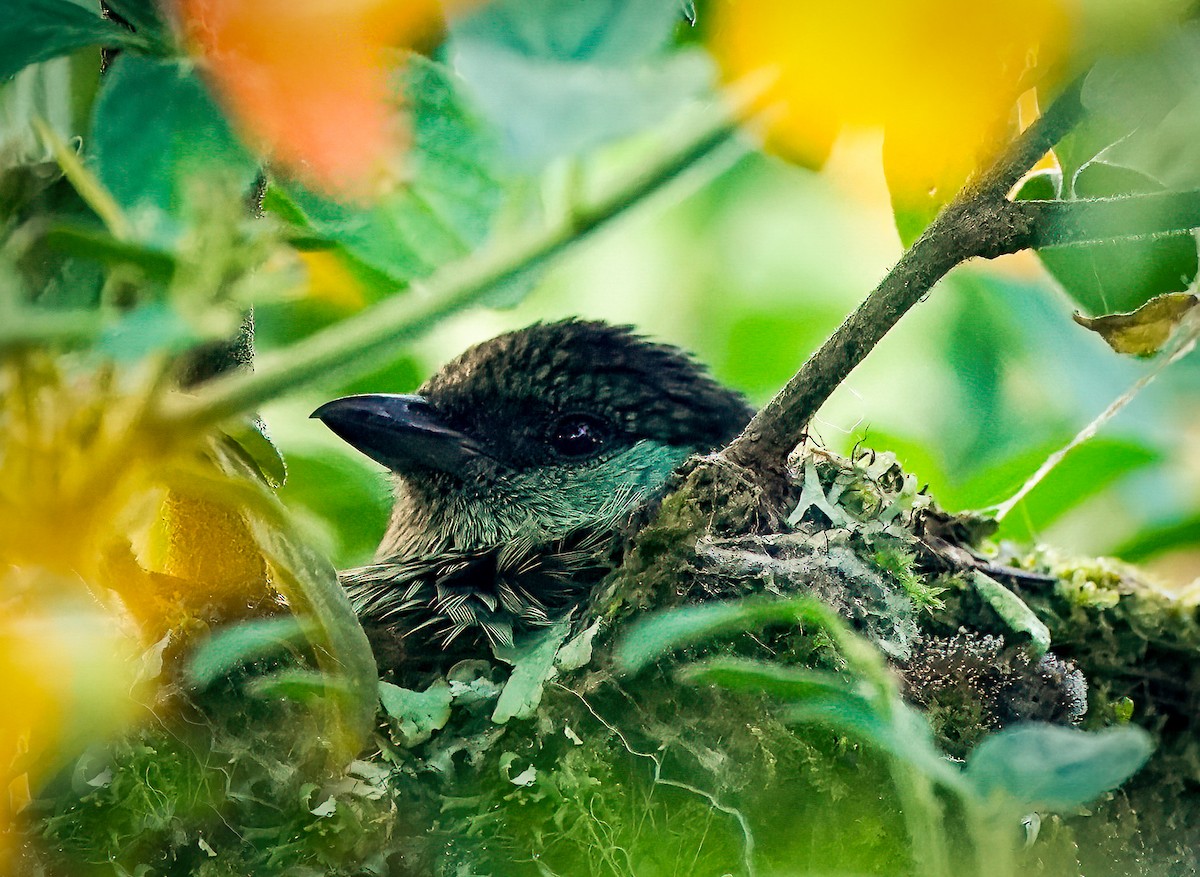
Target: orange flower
[{"x": 308, "y": 80}]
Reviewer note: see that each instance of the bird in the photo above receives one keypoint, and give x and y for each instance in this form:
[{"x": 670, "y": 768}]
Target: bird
[{"x": 519, "y": 468}]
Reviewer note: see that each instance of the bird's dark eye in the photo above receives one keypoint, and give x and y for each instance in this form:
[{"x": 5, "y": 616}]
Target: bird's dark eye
[{"x": 577, "y": 435}]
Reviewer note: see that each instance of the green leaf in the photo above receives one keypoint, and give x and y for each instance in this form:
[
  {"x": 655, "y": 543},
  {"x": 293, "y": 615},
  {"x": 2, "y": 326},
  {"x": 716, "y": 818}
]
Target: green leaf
[
  {"x": 533, "y": 666},
  {"x": 242, "y": 644},
  {"x": 98, "y": 245},
  {"x": 1117, "y": 275},
  {"x": 1147, "y": 106},
  {"x": 419, "y": 713},
  {"x": 182, "y": 144},
  {"x": 1056, "y": 768},
  {"x": 352, "y": 498},
  {"x": 311, "y": 586},
  {"x": 1086, "y": 471},
  {"x": 251, "y": 439},
  {"x": 548, "y": 109},
  {"x": 1181, "y": 533},
  {"x": 577, "y": 652},
  {"x": 1043, "y": 185},
  {"x": 661, "y": 633},
  {"x": 1013, "y": 611},
  {"x": 149, "y": 328},
  {"x": 446, "y": 209},
  {"x": 903, "y": 735},
  {"x": 774, "y": 680},
  {"x": 610, "y": 32},
  {"x": 57, "y": 94},
  {"x": 563, "y": 78},
  {"x": 301, "y": 686},
  {"x": 37, "y": 30}
]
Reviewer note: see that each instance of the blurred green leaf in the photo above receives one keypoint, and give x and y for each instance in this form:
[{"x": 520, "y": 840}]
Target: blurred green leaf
[
  {"x": 301, "y": 686},
  {"x": 153, "y": 327},
  {"x": 1150, "y": 103},
  {"x": 774, "y": 680},
  {"x": 610, "y": 32},
  {"x": 310, "y": 584},
  {"x": 93, "y": 242},
  {"x": 1085, "y": 472},
  {"x": 251, "y": 439},
  {"x": 549, "y": 109},
  {"x": 240, "y": 644},
  {"x": 418, "y": 713},
  {"x": 352, "y": 498},
  {"x": 37, "y": 30},
  {"x": 182, "y": 144},
  {"x": 901, "y": 733},
  {"x": 764, "y": 347},
  {"x": 659, "y": 634},
  {"x": 1160, "y": 538},
  {"x": 1056, "y": 768},
  {"x": 56, "y": 93},
  {"x": 444, "y": 211},
  {"x": 1127, "y": 95},
  {"x": 561, "y": 78}
]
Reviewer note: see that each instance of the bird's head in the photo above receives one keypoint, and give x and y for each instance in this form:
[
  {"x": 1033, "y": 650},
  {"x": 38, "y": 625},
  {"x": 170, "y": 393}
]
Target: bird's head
[{"x": 536, "y": 434}]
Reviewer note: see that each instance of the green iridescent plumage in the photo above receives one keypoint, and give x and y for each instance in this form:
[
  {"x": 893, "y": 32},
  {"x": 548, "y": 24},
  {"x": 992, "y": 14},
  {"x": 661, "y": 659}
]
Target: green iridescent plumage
[{"x": 518, "y": 467}]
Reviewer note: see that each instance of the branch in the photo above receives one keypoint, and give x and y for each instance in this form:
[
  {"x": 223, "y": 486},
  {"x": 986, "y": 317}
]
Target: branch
[
  {"x": 975, "y": 223},
  {"x": 356, "y": 345}
]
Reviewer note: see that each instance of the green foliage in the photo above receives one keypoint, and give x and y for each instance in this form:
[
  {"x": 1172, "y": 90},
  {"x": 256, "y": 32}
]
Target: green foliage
[
  {"x": 1056, "y": 768},
  {"x": 1118, "y": 275},
  {"x": 42, "y": 29},
  {"x": 226, "y": 650},
  {"x": 720, "y": 735},
  {"x": 200, "y": 797},
  {"x": 183, "y": 144},
  {"x": 442, "y": 213},
  {"x": 562, "y": 79}
]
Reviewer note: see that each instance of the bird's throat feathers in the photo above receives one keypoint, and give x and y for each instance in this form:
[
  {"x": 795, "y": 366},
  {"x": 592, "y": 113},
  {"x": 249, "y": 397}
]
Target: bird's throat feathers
[{"x": 532, "y": 505}]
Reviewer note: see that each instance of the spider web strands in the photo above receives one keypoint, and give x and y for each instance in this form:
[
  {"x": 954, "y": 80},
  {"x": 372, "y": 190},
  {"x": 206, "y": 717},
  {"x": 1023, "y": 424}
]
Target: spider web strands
[{"x": 1182, "y": 344}]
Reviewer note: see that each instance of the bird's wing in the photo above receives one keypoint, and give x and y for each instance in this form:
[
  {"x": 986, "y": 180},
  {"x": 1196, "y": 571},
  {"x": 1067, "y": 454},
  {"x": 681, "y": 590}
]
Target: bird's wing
[{"x": 489, "y": 592}]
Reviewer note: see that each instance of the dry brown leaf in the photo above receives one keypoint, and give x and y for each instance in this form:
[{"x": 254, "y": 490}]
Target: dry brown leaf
[{"x": 1144, "y": 331}]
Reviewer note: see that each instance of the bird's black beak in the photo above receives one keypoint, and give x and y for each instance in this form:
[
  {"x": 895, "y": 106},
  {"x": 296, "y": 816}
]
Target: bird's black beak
[{"x": 401, "y": 432}]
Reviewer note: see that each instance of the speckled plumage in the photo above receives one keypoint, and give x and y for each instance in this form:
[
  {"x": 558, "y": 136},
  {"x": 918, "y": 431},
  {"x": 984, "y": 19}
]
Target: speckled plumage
[{"x": 518, "y": 534}]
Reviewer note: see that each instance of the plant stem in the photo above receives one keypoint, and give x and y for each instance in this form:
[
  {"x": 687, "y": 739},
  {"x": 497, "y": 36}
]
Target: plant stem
[
  {"x": 33, "y": 327},
  {"x": 975, "y": 223},
  {"x": 355, "y": 345}
]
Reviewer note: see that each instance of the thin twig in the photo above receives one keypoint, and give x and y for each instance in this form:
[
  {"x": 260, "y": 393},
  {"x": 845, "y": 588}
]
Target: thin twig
[
  {"x": 974, "y": 224},
  {"x": 360, "y": 343}
]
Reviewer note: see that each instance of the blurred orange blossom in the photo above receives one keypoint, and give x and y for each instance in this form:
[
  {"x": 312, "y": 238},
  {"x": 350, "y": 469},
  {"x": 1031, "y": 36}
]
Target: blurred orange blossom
[{"x": 309, "y": 81}]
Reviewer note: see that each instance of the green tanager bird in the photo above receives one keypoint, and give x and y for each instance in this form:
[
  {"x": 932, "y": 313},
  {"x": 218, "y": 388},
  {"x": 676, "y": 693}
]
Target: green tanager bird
[{"x": 518, "y": 468}]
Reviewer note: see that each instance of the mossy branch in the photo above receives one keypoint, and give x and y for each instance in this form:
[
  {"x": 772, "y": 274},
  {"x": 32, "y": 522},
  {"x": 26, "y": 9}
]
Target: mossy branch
[{"x": 981, "y": 221}]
